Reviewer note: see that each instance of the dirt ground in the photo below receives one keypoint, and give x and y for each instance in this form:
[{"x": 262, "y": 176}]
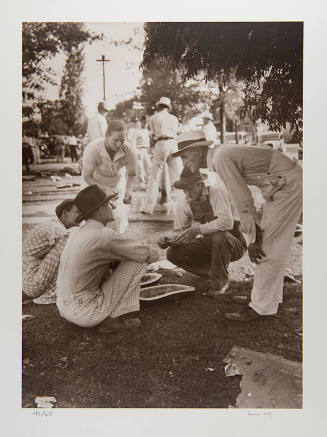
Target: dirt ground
[{"x": 168, "y": 361}]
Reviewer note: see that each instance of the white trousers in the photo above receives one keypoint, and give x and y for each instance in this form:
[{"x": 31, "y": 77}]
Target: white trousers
[
  {"x": 143, "y": 165},
  {"x": 161, "y": 155},
  {"x": 279, "y": 220}
]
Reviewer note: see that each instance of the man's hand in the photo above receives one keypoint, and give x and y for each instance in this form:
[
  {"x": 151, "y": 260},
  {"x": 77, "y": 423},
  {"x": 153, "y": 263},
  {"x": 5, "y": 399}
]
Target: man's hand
[
  {"x": 163, "y": 242},
  {"x": 188, "y": 235},
  {"x": 256, "y": 253},
  {"x": 167, "y": 240},
  {"x": 127, "y": 199},
  {"x": 248, "y": 225}
]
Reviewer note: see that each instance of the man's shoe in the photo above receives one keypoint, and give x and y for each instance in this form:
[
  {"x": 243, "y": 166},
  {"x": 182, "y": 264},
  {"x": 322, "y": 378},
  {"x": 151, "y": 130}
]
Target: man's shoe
[
  {"x": 246, "y": 315},
  {"x": 26, "y": 299},
  {"x": 117, "y": 324},
  {"x": 217, "y": 293},
  {"x": 240, "y": 299}
]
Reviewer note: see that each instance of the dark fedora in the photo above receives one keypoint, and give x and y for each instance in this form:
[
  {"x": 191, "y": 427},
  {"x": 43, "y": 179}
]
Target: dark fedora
[
  {"x": 188, "y": 179},
  {"x": 193, "y": 138},
  {"x": 90, "y": 199}
]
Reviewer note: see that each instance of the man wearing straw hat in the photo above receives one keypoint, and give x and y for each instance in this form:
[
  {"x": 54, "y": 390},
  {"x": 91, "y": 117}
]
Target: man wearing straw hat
[
  {"x": 209, "y": 128},
  {"x": 100, "y": 272},
  {"x": 164, "y": 127},
  {"x": 207, "y": 237}
]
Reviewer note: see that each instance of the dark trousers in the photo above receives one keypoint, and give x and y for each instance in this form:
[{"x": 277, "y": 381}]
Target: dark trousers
[
  {"x": 73, "y": 153},
  {"x": 27, "y": 155},
  {"x": 210, "y": 256}
]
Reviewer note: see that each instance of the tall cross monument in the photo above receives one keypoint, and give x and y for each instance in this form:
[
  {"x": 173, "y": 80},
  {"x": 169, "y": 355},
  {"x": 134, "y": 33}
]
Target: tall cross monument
[{"x": 103, "y": 60}]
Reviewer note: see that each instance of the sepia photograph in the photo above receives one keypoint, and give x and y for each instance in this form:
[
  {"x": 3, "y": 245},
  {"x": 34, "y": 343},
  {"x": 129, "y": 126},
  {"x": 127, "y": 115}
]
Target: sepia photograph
[
  {"x": 162, "y": 215},
  {"x": 155, "y": 197}
]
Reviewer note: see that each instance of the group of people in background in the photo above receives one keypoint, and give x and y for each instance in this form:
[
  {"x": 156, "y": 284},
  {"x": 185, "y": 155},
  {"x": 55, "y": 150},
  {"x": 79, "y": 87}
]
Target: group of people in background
[
  {"x": 99, "y": 270},
  {"x": 59, "y": 146}
]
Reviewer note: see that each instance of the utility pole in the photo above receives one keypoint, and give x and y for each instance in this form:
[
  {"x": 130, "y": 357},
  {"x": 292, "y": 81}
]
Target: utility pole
[{"x": 103, "y": 60}]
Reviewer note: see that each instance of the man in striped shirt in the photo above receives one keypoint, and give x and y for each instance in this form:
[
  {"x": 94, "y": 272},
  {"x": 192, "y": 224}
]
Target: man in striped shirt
[{"x": 42, "y": 248}]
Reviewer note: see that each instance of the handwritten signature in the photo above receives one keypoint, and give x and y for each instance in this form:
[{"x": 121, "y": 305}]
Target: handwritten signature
[{"x": 259, "y": 413}]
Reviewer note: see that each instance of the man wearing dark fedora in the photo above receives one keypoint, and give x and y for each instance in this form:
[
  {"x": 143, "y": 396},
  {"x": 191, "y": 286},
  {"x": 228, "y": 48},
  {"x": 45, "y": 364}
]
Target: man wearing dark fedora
[
  {"x": 42, "y": 248},
  {"x": 100, "y": 271},
  {"x": 164, "y": 128},
  {"x": 207, "y": 237}
]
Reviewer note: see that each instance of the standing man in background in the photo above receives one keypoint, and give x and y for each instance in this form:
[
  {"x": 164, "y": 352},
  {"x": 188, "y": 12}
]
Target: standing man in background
[
  {"x": 209, "y": 128},
  {"x": 210, "y": 132},
  {"x": 72, "y": 144},
  {"x": 164, "y": 127},
  {"x": 164, "y": 180},
  {"x": 60, "y": 148},
  {"x": 97, "y": 125},
  {"x": 35, "y": 150},
  {"x": 141, "y": 140}
]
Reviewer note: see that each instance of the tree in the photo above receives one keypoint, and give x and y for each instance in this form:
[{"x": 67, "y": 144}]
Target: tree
[
  {"x": 227, "y": 101},
  {"x": 49, "y": 110},
  {"x": 43, "y": 41},
  {"x": 267, "y": 57},
  {"x": 70, "y": 93},
  {"x": 123, "y": 110},
  {"x": 159, "y": 80}
]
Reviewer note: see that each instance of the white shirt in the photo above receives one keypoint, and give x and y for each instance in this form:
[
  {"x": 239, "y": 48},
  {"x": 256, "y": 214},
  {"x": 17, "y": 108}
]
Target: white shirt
[
  {"x": 163, "y": 124},
  {"x": 72, "y": 140},
  {"x": 97, "y": 126},
  {"x": 107, "y": 172},
  {"x": 141, "y": 138},
  {"x": 210, "y": 132}
]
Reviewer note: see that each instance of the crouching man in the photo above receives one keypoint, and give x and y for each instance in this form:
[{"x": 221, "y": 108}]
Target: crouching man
[
  {"x": 206, "y": 237},
  {"x": 41, "y": 252},
  {"x": 100, "y": 271}
]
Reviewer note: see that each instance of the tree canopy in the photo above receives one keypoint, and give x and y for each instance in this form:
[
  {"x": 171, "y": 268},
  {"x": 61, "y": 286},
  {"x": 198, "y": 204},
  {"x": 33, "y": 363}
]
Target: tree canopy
[
  {"x": 158, "y": 80},
  {"x": 71, "y": 90},
  {"x": 266, "y": 56},
  {"x": 44, "y": 40}
]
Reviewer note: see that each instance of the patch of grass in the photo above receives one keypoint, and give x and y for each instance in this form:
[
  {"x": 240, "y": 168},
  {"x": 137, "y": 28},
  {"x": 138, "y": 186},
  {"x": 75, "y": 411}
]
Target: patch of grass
[{"x": 166, "y": 362}]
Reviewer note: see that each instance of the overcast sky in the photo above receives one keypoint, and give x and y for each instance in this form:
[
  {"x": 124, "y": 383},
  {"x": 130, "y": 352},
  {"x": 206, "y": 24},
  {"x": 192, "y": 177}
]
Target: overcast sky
[{"x": 122, "y": 72}]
